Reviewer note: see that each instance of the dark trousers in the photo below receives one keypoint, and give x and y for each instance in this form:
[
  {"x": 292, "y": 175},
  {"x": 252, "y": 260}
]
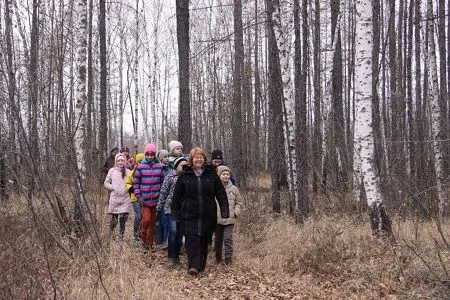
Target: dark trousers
[
  {"x": 224, "y": 236},
  {"x": 197, "y": 251},
  {"x": 118, "y": 218}
]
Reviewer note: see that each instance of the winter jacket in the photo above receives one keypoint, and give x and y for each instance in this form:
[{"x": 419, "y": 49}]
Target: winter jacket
[
  {"x": 165, "y": 197},
  {"x": 166, "y": 170},
  {"x": 129, "y": 184},
  {"x": 235, "y": 204},
  {"x": 147, "y": 180},
  {"x": 119, "y": 200},
  {"x": 194, "y": 204}
]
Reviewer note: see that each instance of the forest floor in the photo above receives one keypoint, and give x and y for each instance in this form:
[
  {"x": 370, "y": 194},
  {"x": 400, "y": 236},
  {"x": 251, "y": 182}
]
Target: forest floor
[{"x": 332, "y": 255}]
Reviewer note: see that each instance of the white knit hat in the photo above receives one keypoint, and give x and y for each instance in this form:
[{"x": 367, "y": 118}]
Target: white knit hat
[{"x": 173, "y": 145}]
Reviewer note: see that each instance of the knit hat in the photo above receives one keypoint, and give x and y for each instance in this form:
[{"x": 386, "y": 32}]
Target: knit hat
[
  {"x": 140, "y": 157},
  {"x": 177, "y": 161},
  {"x": 150, "y": 148},
  {"x": 119, "y": 155},
  {"x": 220, "y": 169},
  {"x": 162, "y": 153},
  {"x": 216, "y": 154},
  {"x": 173, "y": 145}
]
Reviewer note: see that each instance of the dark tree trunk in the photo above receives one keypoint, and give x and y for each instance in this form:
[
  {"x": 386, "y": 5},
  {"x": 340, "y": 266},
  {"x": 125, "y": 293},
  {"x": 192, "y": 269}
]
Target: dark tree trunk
[
  {"x": 317, "y": 136},
  {"x": 8, "y": 147},
  {"x": 379, "y": 149},
  {"x": 257, "y": 160},
  {"x": 236, "y": 115},
  {"x": 301, "y": 131},
  {"x": 184, "y": 108},
  {"x": 103, "y": 128},
  {"x": 34, "y": 152},
  {"x": 275, "y": 94},
  {"x": 409, "y": 95},
  {"x": 443, "y": 95}
]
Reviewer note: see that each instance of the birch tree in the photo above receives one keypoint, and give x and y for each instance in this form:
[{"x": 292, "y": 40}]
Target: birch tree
[
  {"x": 364, "y": 138},
  {"x": 283, "y": 24},
  {"x": 78, "y": 141},
  {"x": 436, "y": 124}
]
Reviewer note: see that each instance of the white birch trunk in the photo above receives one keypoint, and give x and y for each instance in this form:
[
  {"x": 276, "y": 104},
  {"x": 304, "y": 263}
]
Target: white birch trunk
[
  {"x": 283, "y": 28},
  {"x": 364, "y": 139},
  {"x": 80, "y": 90},
  {"x": 436, "y": 129}
]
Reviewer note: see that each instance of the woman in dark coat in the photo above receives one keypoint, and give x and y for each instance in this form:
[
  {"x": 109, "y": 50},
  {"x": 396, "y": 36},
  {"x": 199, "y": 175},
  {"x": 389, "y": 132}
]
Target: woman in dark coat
[{"x": 194, "y": 206}]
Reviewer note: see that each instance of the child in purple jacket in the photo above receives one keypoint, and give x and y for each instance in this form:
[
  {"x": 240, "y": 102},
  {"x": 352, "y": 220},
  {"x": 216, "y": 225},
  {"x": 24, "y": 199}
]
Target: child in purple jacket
[{"x": 147, "y": 181}]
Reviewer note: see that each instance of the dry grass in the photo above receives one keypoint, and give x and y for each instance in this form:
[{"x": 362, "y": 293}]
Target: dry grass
[{"x": 330, "y": 256}]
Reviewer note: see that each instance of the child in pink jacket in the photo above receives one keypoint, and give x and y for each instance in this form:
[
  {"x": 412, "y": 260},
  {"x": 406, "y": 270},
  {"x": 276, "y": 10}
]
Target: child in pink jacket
[{"x": 119, "y": 199}]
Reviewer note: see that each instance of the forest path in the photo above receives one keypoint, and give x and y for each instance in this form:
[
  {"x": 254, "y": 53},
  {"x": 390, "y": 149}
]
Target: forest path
[{"x": 218, "y": 281}]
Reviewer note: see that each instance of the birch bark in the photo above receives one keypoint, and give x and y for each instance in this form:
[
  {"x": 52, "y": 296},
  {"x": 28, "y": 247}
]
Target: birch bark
[
  {"x": 364, "y": 138},
  {"x": 436, "y": 124},
  {"x": 283, "y": 21},
  {"x": 79, "y": 107}
]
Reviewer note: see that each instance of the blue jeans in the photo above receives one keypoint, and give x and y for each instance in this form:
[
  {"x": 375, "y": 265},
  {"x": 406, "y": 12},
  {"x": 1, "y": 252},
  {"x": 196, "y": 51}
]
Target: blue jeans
[
  {"x": 175, "y": 239},
  {"x": 137, "y": 219},
  {"x": 164, "y": 221}
]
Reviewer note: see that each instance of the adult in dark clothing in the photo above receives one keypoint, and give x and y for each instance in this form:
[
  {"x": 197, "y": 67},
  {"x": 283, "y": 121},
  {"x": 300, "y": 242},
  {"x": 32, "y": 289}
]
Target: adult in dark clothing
[
  {"x": 109, "y": 163},
  {"x": 194, "y": 206}
]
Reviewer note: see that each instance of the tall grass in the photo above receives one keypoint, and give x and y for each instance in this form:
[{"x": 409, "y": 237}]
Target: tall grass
[{"x": 332, "y": 255}]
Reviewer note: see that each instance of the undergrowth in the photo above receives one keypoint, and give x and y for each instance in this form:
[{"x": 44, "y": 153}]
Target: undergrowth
[{"x": 332, "y": 255}]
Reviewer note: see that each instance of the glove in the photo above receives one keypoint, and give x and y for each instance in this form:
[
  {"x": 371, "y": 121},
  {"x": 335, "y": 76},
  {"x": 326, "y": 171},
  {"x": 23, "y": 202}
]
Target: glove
[{"x": 131, "y": 190}]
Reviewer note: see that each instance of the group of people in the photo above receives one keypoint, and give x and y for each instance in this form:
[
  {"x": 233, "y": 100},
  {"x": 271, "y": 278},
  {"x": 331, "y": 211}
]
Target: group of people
[{"x": 189, "y": 196}]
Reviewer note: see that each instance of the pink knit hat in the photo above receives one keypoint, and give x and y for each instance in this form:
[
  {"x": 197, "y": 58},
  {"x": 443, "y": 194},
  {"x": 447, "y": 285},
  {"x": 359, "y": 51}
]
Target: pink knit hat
[{"x": 150, "y": 149}]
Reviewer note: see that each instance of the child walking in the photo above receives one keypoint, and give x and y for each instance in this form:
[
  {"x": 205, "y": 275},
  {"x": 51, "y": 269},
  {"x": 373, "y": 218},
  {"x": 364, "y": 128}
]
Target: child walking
[
  {"x": 119, "y": 200},
  {"x": 175, "y": 150},
  {"x": 136, "y": 205},
  {"x": 164, "y": 203},
  {"x": 147, "y": 180},
  {"x": 225, "y": 227}
]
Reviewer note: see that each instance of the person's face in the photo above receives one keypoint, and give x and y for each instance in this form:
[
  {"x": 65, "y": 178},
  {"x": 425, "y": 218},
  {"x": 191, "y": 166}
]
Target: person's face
[
  {"x": 216, "y": 162},
  {"x": 120, "y": 162},
  {"x": 225, "y": 176},
  {"x": 150, "y": 156},
  {"x": 180, "y": 166},
  {"x": 178, "y": 151},
  {"x": 198, "y": 161},
  {"x": 165, "y": 160},
  {"x": 125, "y": 152},
  {"x": 113, "y": 153}
]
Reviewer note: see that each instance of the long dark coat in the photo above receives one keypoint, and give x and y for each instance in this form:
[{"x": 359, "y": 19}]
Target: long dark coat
[{"x": 193, "y": 202}]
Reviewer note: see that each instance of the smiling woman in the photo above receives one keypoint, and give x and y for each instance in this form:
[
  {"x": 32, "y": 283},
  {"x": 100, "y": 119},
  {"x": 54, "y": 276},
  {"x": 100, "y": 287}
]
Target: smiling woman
[{"x": 194, "y": 207}]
